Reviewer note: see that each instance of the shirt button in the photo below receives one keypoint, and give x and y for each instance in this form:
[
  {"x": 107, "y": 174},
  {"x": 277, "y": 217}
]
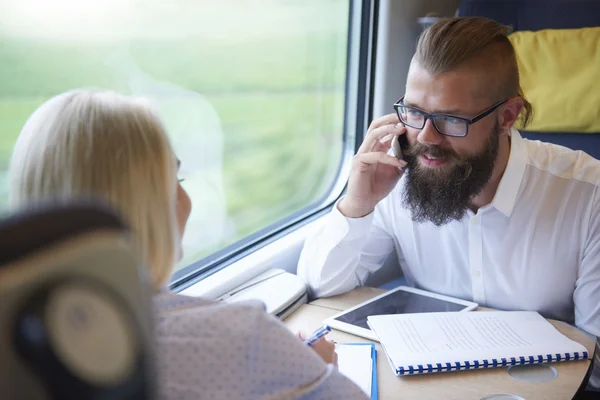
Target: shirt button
[
  {"x": 475, "y": 220},
  {"x": 476, "y": 273}
]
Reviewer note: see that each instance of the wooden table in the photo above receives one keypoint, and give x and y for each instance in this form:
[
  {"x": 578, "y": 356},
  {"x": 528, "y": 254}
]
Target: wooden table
[{"x": 460, "y": 385}]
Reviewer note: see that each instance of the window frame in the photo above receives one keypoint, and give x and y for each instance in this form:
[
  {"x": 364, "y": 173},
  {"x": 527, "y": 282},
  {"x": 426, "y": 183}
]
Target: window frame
[{"x": 360, "y": 75}]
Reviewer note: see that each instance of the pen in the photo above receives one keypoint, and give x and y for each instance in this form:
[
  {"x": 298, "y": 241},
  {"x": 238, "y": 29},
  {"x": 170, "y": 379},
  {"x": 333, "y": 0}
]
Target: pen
[{"x": 318, "y": 334}]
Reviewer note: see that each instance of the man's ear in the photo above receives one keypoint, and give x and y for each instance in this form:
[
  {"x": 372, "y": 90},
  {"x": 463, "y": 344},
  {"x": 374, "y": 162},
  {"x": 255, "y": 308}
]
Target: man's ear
[{"x": 510, "y": 113}]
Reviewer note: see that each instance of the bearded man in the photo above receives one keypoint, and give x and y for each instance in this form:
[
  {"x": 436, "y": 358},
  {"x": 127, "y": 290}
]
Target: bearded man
[{"x": 474, "y": 210}]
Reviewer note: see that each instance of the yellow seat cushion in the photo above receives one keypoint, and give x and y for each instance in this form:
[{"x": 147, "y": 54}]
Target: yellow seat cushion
[{"x": 560, "y": 75}]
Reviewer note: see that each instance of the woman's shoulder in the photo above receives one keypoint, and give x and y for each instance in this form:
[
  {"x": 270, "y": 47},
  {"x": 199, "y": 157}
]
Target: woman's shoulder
[
  {"x": 166, "y": 302},
  {"x": 180, "y": 313}
]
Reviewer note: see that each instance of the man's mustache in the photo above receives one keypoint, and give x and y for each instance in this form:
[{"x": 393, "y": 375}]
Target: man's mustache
[
  {"x": 462, "y": 165},
  {"x": 418, "y": 149}
]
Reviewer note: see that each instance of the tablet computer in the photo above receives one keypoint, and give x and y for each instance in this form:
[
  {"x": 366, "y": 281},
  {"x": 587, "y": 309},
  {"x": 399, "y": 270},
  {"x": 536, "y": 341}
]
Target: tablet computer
[{"x": 402, "y": 300}]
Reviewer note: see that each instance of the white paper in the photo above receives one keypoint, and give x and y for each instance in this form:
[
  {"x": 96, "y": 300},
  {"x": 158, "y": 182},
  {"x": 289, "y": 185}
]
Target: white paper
[
  {"x": 431, "y": 338},
  {"x": 355, "y": 362}
]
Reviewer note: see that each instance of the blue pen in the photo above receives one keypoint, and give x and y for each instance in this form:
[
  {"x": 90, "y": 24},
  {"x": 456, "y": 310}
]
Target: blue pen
[{"x": 318, "y": 334}]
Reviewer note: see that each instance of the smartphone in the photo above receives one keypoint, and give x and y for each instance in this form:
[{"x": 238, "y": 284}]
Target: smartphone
[{"x": 399, "y": 144}]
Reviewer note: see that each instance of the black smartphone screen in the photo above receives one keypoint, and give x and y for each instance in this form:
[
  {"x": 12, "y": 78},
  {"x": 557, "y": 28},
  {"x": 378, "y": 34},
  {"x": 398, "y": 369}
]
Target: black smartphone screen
[{"x": 403, "y": 140}]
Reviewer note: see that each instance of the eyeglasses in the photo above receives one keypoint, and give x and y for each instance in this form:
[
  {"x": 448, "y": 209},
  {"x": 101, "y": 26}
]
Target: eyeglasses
[{"x": 449, "y": 125}]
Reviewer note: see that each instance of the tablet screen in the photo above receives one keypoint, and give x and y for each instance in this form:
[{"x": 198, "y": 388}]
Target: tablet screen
[{"x": 398, "y": 302}]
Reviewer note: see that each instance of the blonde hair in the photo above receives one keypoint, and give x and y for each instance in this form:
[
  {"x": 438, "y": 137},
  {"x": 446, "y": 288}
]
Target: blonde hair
[
  {"x": 452, "y": 42},
  {"x": 103, "y": 145}
]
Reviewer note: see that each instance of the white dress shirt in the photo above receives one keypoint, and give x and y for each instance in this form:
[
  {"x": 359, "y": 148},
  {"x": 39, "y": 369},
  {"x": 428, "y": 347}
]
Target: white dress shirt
[
  {"x": 535, "y": 247},
  {"x": 227, "y": 351}
]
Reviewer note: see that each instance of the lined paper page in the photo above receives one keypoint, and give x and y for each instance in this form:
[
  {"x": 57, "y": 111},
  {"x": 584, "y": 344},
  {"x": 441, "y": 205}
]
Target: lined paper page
[
  {"x": 356, "y": 364},
  {"x": 431, "y": 338}
]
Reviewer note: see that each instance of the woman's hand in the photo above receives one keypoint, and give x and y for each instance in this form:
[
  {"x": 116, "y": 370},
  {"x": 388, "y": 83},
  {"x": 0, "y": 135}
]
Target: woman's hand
[{"x": 324, "y": 348}]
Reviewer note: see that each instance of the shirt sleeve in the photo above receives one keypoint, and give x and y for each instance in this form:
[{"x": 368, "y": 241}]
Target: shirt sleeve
[
  {"x": 238, "y": 351},
  {"x": 341, "y": 253},
  {"x": 285, "y": 368},
  {"x": 587, "y": 287}
]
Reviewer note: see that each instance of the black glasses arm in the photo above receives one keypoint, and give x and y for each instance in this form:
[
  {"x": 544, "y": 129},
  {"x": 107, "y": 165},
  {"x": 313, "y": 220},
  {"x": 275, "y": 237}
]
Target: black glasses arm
[{"x": 487, "y": 112}]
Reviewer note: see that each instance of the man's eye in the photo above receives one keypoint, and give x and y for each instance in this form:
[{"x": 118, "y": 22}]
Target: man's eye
[
  {"x": 414, "y": 113},
  {"x": 452, "y": 120}
]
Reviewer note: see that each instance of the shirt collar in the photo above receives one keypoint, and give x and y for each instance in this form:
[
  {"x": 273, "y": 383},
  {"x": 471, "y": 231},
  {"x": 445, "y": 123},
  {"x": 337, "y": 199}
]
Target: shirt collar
[{"x": 506, "y": 194}]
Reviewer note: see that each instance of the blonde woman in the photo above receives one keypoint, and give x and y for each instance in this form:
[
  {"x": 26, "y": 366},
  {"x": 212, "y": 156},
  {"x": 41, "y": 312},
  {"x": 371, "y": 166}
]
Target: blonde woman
[{"x": 107, "y": 146}]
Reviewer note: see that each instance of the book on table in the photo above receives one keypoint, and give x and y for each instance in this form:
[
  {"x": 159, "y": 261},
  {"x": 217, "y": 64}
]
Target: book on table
[{"x": 451, "y": 341}]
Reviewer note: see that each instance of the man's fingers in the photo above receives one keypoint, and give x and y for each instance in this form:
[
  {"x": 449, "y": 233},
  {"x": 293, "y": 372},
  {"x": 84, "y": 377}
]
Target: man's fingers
[
  {"x": 378, "y": 134},
  {"x": 389, "y": 119},
  {"x": 387, "y": 138},
  {"x": 384, "y": 144},
  {"x": 379, "y": 157}
]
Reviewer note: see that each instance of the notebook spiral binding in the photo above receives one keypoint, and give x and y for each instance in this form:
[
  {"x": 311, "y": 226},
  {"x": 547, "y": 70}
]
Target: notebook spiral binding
[{"x": 493, "y": 363}]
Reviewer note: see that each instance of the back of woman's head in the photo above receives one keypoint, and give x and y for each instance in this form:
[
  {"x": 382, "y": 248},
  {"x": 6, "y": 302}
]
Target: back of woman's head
[{"x": 85, "y": 144}]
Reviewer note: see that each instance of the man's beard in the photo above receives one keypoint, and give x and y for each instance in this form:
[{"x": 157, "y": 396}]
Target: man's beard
[{"x": 440, "y": 195}]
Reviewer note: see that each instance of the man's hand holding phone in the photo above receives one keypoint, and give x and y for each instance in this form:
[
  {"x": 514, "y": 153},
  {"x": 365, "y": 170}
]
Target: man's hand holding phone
[{"x": 374, "y": 173}]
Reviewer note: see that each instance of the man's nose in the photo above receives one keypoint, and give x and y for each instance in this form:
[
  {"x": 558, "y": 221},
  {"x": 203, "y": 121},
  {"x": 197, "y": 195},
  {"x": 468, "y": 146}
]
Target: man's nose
[{"x": 429, "y": 135}]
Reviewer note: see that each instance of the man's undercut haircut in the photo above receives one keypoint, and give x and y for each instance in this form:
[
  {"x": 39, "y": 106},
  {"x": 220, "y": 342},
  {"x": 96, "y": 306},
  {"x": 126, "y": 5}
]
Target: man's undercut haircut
[{"x": 481, "y": 42}]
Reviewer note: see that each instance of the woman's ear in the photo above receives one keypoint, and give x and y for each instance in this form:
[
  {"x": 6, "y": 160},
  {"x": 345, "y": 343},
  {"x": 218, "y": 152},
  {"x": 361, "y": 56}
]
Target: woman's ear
[{"x": 510, "y": 113}]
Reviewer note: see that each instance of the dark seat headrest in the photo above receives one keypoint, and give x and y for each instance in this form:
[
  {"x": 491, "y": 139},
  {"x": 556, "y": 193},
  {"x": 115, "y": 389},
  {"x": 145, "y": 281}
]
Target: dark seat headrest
[
  {"x": 533, "y": 15},
  {"x": 34, "y": 228}
]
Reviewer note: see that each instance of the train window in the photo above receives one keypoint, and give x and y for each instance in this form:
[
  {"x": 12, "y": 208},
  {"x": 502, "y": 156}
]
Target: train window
[{"x": 252, "y": 93}]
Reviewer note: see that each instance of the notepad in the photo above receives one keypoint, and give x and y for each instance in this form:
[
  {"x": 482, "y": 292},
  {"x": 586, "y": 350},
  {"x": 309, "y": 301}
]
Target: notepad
[
  {"x": 358, "y": 362},
  {"x": 450, "y": 341}
]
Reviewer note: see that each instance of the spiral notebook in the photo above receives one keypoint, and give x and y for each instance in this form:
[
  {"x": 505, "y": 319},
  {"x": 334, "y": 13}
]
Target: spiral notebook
[
  {"x": 451, "y": 341},
  {"x": 358, "y": 362}
]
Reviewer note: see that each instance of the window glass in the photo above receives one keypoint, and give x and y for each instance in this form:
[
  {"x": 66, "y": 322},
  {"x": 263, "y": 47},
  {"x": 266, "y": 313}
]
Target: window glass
[{"x": 251, "y": 92}]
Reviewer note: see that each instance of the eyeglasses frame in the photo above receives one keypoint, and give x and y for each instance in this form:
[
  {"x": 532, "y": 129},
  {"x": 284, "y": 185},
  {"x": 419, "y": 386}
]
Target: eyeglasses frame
[{"x": 399, "y": 103}]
